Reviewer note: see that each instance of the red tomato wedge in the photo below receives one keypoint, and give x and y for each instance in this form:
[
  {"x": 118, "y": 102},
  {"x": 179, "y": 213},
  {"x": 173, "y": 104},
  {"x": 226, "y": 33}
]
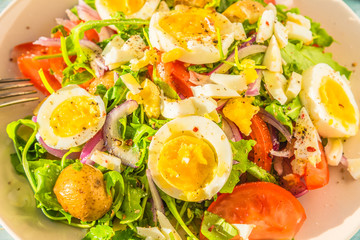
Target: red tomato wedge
[
  {"x": 181, "y": 79},
  {"x": 24, "y": 54},
  {"x": 177, "y": 76},
  {"x": 317, "y": 177},
  {"x": 270, "y": 1},
  {"x": 260, "y": 133},
  {"x": 276, "y": 213}
]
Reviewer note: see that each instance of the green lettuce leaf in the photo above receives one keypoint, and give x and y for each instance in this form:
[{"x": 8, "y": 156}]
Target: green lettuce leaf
[
  {"x": 307, "y": 56},
  {"x": 320, "y": 36},
  {"x": 214, "y": 227}
]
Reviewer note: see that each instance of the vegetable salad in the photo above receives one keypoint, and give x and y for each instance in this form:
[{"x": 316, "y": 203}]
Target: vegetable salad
[{"x": 182, "y": 119}]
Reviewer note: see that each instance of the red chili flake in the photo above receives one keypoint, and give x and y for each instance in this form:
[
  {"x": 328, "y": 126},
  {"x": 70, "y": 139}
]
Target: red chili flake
[
  {"x": 106, "y": 161},
  {"x": 150, "y": 138},
  {"x": 195, "y": 129},
  {"x": 267, "y": 23},
  {"x": 211, "y": 228},
  {"x": 310, "y": 149}
]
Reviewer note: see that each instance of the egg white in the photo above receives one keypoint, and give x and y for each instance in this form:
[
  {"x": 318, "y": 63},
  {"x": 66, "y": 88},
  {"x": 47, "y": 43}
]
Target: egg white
[
  {"x": 326, "y": 124},
  {"x": 145, "y": 12},
  {"x": 51, "y": 103},
  {"x": 199, "y": 50},
  {"x": 207, "y": 130}
]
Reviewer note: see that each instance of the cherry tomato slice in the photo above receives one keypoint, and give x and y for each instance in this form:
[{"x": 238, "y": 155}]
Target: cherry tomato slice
[
  {"x": 24, "y": 54},
  {"x": 317, "y": 177},
  {"x": 276, "y": 213},
  {"x": 261, "y": 134}
]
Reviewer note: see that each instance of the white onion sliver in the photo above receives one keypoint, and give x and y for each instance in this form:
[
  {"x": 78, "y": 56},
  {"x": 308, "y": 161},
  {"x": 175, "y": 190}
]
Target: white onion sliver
[{"x": 157, "y": 202}]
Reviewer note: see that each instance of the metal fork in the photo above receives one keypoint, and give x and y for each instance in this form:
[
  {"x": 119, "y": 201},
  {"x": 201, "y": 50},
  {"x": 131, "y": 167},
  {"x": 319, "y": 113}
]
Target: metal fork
[{"x": 10, "y": 88}]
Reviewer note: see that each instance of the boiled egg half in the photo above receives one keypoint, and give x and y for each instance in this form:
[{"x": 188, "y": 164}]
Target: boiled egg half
[
  {"x": 191, "y": 34},
  {"x": 190, "y": 158},
  {"x": 70, "y": 117},
  {"x": 331, "y": 104},
  {"x": 142, "y": 9}
]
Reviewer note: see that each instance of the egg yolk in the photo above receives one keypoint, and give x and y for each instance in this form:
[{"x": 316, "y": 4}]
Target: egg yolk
[
  {"x": 336, "y": 101},
  {"x": 240, "y": 111},
  {"x": 188, "y": 163},
  {"x": 128, "y": 7},
  {"x": 190, "y": 24},
  {"x": 74, "y": 115}
]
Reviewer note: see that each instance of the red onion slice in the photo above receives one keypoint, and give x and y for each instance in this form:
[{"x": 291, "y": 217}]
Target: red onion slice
[
  {"x": 157, "y": 202},
  {"x": 231, "y": 130},
  {"x": 66, "y": 23},
  {"x": 270, "y": 119},
  {"x": 114, "y": 144},
  {"x": 221, "y": 104},
  {"x": 56, "y": 152},
  {"x": 254, "y": 88},
  {"x": 294, "y": 184},
  {"x": 222, "y": 68},
  {"x": 274, "y": 135},
  {"x": 97, "y": 61},
  {"x": 86, "y": 13},
  {"x": 199, "y": 79},
  {"x": 278, "y": 165},
  {"x": 96, "y": 143},
  {"x": 71, "y": 15}
]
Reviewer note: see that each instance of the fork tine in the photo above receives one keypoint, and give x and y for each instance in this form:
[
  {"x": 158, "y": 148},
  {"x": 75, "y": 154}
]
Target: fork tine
[
  {"x": 24, "y": 100},
  {"x": 13, "y": 86},
  {"x": 10, "y": 80},
  {"x": 16, "y": 94}
]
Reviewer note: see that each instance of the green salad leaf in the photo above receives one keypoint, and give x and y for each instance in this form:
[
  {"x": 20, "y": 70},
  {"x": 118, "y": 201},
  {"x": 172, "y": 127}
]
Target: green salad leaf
[
  {"x": 214, "y": 227},
  {"x": 307, "y": 56},
  {"x": 100, "y": 232}
]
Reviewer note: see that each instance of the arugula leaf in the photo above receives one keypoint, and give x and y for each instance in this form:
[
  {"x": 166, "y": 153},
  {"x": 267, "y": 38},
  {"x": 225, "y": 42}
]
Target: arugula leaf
[
  {"x": 307, "y": 56},
  {"x": 126, "y": 234},
  {"x": 131, "y": 209},
  {"x": 214, "y": 227},
  {"x": 100, "y": 232},
  {"x": 158, "y": 123},
  {"x": 249, "y": 27},
  {"x": 199, "y": 68},
  {"x": 171, "y": 204}
]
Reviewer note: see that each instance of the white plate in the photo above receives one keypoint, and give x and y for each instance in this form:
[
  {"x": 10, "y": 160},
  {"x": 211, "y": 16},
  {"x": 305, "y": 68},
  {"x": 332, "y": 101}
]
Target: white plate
[{"x": 333, "y": 212}]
